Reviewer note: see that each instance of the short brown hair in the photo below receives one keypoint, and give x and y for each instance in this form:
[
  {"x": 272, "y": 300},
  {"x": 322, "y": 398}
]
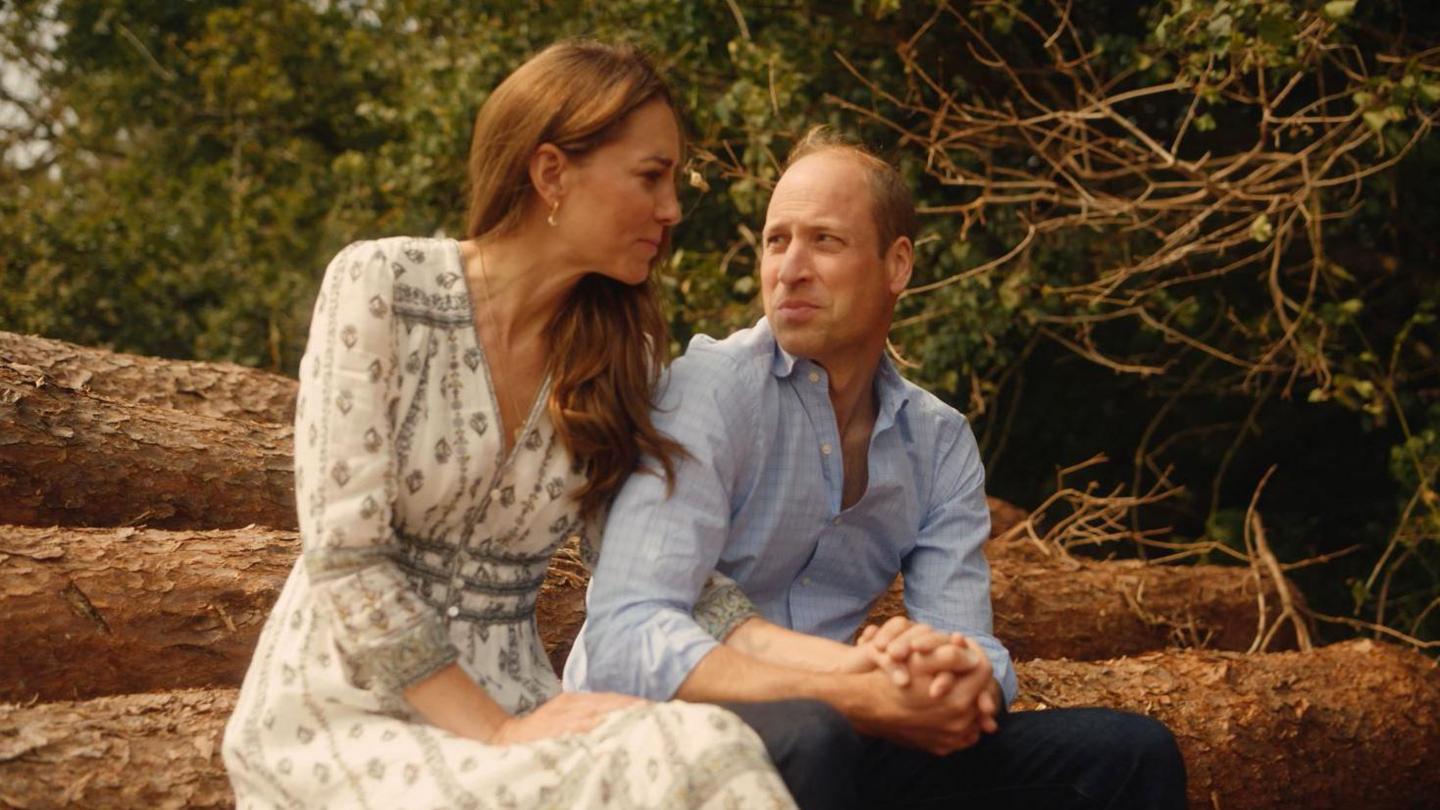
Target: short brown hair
[{"x": 891, "y": 205}]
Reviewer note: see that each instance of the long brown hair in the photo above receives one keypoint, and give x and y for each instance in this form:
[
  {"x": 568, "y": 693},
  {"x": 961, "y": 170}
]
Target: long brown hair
[{"x": 608, "y": 341}]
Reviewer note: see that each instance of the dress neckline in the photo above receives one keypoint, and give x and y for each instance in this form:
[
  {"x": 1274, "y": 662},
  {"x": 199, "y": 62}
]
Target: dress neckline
[{"x": 542, "y": 394}]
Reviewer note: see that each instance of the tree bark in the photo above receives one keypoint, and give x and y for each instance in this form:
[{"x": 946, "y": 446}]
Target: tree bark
[
  {"x": 1092, "y": 610},
  {"x": 209, "y": 389},
  {"x": 157, "y": 750},
  {"x": 89, "y": 612},
  {"x": 104, "y": 450},
  {"x": 106, "y": 611},
  {"x": 1350, "y": 725},
  {"x": 72, "y": 458},
  {"x": 1355, "y": 724}
]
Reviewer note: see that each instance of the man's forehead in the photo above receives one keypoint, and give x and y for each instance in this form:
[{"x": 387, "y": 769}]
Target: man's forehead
[{"x": 826, "y": 185}]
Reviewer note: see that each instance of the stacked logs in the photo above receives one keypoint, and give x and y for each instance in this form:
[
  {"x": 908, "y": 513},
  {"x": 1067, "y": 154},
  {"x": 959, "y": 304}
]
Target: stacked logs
[{"x": 146, "y": 527}]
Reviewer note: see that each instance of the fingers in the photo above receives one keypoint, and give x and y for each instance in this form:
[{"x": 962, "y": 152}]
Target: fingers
[
  {"x": 986, "y": 704},
  {"x": 896, "y": 671},
  {"x": 942, "y": 683},
  {"x": 920, "y": 638},
  {"x": 889, "y": 631},
  {"x": 867, "y": 633}
]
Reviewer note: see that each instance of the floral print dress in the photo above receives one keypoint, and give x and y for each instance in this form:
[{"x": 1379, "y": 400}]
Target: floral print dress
[{"x": 425, "y": 543}]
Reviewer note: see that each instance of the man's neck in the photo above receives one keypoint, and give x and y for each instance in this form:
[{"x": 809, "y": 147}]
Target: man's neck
[{"x": 852, "y": 391}]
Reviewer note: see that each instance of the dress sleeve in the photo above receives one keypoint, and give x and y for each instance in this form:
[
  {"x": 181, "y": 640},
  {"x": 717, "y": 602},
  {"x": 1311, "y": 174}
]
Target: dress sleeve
[{"x": 345, "y": 481}]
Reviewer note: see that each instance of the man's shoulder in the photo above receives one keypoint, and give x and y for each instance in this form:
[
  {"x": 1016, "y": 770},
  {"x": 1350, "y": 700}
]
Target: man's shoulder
[
  {"x": 745, "y": 356},
  {"x": 929, "y": 412}
]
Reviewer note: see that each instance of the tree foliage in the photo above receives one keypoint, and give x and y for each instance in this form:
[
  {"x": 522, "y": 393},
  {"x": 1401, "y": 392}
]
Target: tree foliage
[{"x": 1195, "y": 235}]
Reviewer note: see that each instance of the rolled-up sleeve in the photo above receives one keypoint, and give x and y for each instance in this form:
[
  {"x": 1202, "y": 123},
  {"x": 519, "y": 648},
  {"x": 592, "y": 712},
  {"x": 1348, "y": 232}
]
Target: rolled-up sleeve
[
  {"x": 660, "y": 549},
  {"x": 387, "y": 636},
  {"x": 947, "y": 579}
]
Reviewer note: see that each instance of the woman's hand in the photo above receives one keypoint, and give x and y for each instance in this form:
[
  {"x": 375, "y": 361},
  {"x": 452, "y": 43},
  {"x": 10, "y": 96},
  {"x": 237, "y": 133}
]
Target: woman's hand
[{"x": 566, "y": 713}]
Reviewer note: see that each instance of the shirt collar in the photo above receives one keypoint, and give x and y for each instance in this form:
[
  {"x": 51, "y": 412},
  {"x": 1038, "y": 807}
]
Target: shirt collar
[{"x": 893, "y": 390}]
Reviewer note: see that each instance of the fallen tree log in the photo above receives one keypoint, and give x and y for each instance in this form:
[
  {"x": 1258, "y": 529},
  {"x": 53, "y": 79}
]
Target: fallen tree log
[
  {"x": 1091, "y": 610},
  {"x": 73, "y": 458},
  {"x": 88, "y": 612},
  {"x": 76, "y": 455},
  {"x": 158, "y": 750},
  {"x": 1355, "y": 724},
  {"x": 93, "y": 612},
  {"x": 1351, "y": 725},
  {"x": 209, "y": 389}
]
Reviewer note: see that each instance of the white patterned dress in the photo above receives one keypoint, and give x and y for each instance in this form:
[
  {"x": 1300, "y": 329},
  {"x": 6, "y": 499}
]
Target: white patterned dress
[{"x": 422, "y": 546}]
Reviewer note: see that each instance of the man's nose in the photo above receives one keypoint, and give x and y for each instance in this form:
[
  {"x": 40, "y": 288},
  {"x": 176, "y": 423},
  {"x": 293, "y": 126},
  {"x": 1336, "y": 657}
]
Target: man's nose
[{"x": 794, "y": 265}]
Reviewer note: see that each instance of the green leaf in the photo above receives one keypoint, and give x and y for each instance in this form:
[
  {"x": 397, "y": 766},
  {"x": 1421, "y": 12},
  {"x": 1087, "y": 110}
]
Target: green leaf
[
  {"x": 1339, "y": 9},
  {"x": 1261, "y": 230},
  {"x": 1205, "y": 122}
]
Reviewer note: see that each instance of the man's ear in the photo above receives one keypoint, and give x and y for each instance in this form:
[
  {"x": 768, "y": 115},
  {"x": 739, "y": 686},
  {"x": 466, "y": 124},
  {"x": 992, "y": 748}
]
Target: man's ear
[
  {"x": 548, "y": 167},
  {"x": 899, "y": 262}
]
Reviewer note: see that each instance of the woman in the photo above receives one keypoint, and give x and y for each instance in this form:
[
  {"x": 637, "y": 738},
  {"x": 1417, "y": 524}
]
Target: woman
[{"x": 464, "y": 409}]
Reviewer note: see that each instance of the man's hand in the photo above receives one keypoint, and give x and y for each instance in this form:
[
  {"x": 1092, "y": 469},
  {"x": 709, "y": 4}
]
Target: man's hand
[
  {"x": 921, "y": 650},
  {"x": 910, "y": 716}
]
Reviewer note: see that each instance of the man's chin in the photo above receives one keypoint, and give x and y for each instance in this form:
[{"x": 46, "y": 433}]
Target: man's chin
[{"x": 798, "y": 341}]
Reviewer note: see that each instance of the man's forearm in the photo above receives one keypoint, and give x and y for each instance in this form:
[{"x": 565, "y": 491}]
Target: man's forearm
[
  {"x": 772, "y": 644},
  {"x": 726, "y": 674}
]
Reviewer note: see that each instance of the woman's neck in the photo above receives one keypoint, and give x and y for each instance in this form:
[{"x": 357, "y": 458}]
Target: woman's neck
[{"x": 520, "y": 281}]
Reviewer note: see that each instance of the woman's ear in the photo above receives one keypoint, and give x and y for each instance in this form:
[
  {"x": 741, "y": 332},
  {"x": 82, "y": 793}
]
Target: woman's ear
[
  {"x": 547, "y": 173},
  {"x": 899, "y": 262}
]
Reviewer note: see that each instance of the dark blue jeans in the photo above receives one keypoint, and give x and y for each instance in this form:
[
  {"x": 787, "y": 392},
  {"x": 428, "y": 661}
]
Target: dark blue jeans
[{"x": 1086, "y": 759}]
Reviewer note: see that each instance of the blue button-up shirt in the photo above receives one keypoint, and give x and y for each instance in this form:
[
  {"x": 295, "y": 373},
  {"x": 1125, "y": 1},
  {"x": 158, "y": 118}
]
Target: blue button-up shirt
[{"x": 760, "y": 501}]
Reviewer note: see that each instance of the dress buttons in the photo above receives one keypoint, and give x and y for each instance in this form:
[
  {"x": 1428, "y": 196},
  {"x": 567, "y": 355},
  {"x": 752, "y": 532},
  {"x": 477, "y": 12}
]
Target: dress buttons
[
  {"x": 815, "y": 376},
  {"x": 452, "y": 611},
  {"x": 825, "y": 448},
  {"x": 495, "y": 494}
]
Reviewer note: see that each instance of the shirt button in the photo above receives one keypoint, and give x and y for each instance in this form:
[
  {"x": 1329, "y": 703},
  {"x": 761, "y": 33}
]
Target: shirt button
[
  {"x": 805, "y": 581},
  {"x": 452, "y": 611},
  {"x": 495, "y": 494},
  {"x": 815, "y": 376},
  {"x": 825, "y": 448},
  {"x": 837, "y": 521}
]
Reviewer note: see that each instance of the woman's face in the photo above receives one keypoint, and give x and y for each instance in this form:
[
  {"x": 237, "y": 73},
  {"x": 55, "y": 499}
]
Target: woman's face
[{"x": 619, "y": 199}]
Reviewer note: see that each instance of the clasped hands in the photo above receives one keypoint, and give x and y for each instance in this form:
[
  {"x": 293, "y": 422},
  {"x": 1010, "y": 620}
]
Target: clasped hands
[{"x": 929, "y": 690}]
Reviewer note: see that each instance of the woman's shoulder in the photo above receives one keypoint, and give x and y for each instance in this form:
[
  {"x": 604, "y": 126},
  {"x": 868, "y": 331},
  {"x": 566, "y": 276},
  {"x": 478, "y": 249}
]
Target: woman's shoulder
[{"x": 403, "y": 252}]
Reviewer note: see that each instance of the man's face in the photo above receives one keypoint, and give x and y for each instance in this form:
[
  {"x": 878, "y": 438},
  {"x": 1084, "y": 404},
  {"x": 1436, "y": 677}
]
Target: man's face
[{"x": 825, "y": 285}]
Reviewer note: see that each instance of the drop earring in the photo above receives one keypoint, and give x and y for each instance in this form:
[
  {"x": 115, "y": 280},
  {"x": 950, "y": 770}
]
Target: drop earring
[{"x": 553, "y": 208}]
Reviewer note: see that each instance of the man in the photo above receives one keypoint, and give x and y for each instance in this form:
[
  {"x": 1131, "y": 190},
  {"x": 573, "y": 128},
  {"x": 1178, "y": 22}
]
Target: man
[{"x": 816, "y": 475}]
